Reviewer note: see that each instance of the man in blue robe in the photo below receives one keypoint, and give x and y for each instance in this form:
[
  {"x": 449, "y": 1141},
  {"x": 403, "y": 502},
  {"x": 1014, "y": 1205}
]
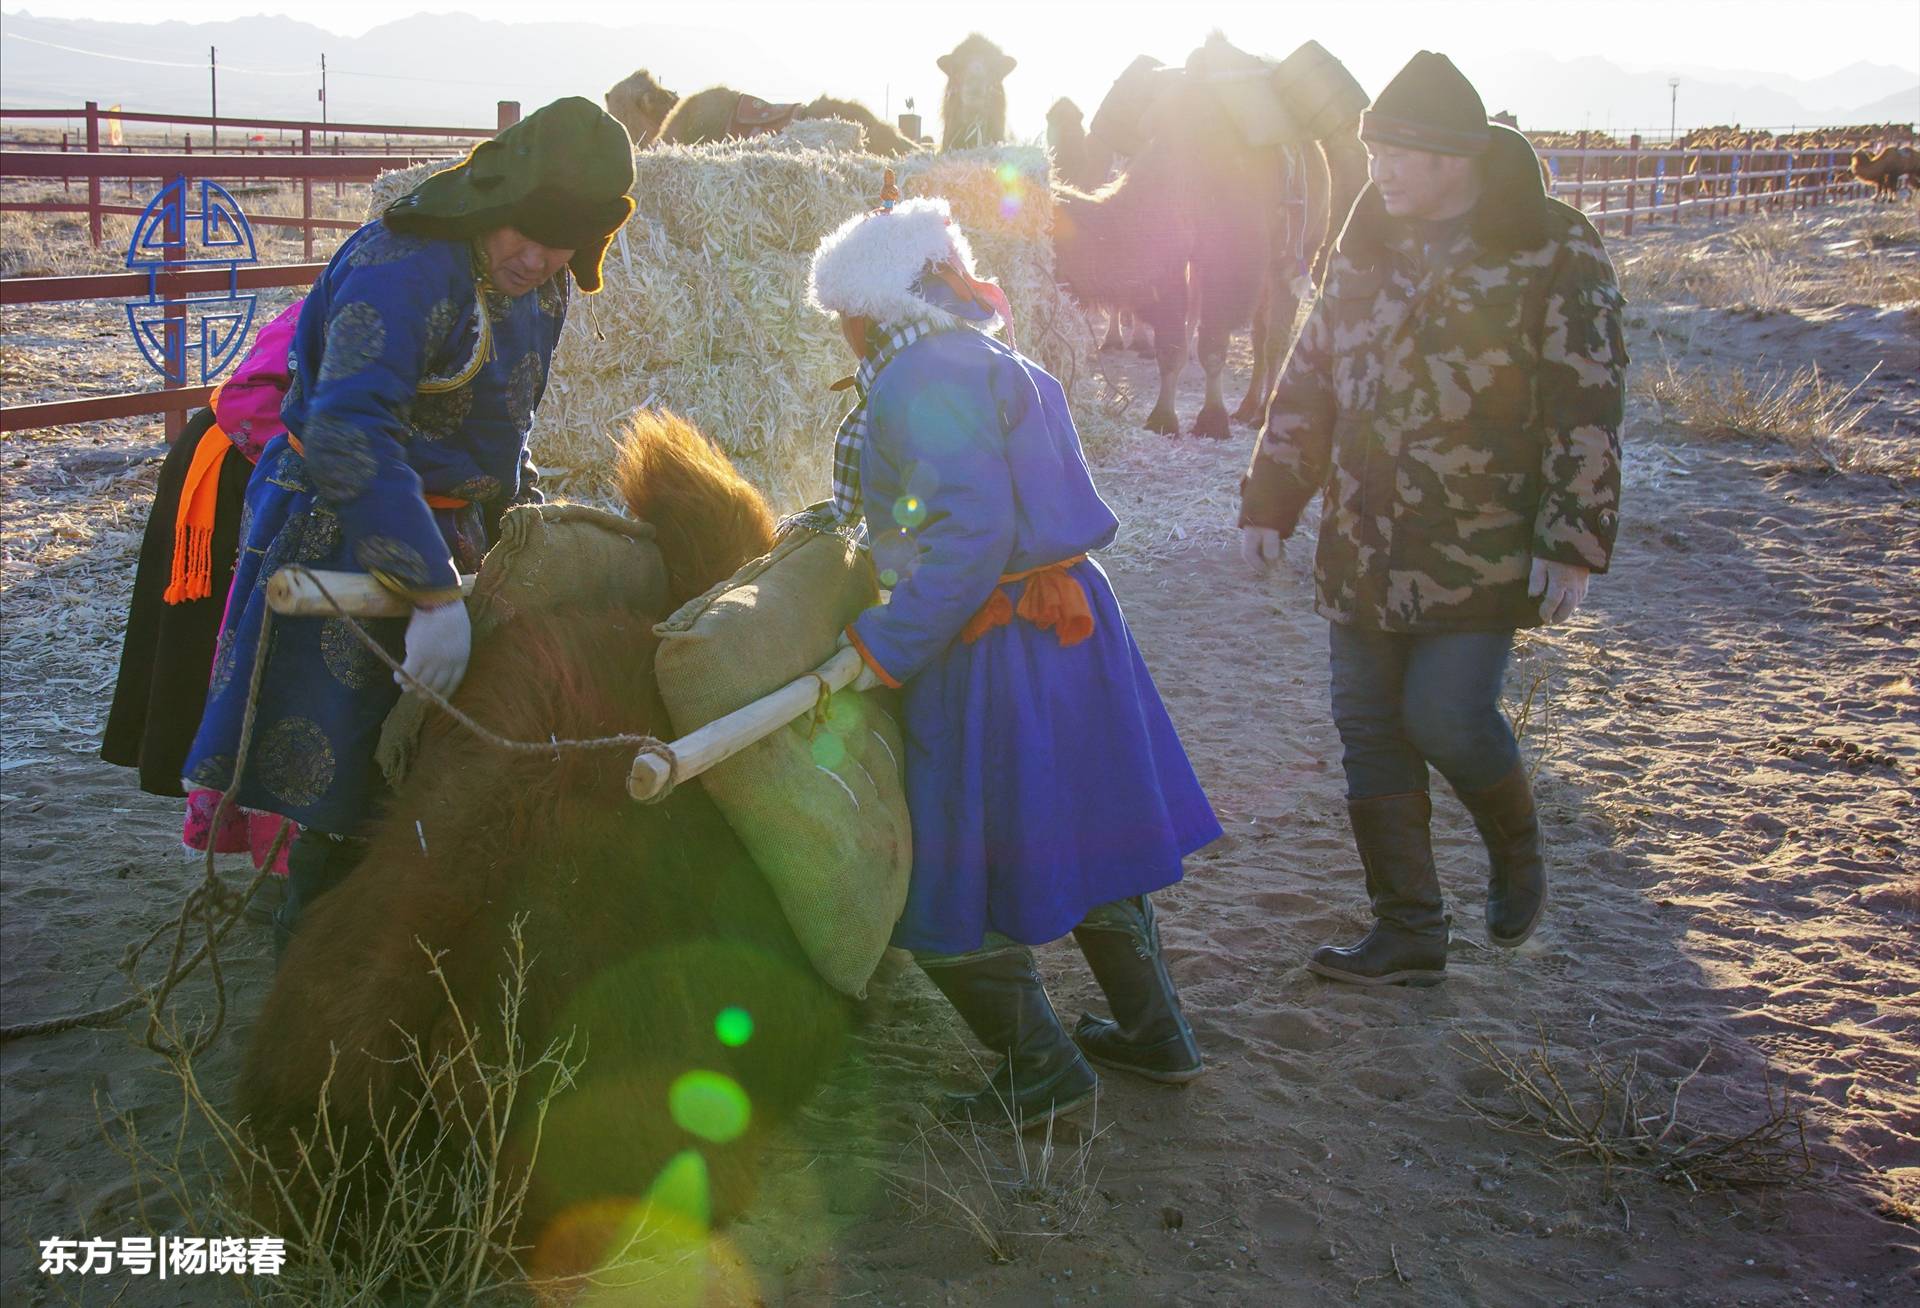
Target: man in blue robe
[{"x": 419, "y": 358}]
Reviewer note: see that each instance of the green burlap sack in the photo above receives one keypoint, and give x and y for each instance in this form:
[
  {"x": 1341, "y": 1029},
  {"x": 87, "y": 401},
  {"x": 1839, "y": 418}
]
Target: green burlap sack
[
  {"x": 820, "y": 803},
  {"x": 547, "y": 556}
]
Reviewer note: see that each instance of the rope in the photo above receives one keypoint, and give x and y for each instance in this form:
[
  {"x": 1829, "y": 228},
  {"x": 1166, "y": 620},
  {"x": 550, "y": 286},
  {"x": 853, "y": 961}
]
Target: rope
[{"x": 212, "y": 896}]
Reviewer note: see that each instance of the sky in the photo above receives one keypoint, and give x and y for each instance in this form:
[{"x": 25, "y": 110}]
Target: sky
[
  {"x": 877, "y": 49},
  {"x": 1787, "y": 36}
]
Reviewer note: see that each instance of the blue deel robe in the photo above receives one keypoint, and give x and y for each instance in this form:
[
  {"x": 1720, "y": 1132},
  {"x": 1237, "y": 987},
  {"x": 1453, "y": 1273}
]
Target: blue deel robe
[
  {"x": 390, "y": 313},
  {"x": 1042, "y": 781}
]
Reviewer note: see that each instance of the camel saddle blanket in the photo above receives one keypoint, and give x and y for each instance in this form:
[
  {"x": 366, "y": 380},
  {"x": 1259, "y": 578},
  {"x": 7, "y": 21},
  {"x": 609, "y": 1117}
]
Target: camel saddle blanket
[
  {"x": 820, "y": 804},
  {"x": 548, "y": 556},
  {"x": 753, "y": 116}
]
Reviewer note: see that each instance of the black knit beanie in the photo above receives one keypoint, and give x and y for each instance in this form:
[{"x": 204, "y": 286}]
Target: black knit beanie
[
  {"x": 559, "y": 176},
  {"x": 1428, "y": 106}
]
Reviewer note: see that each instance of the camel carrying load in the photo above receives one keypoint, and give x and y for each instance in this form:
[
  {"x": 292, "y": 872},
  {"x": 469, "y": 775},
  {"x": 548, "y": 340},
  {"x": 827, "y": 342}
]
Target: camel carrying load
[{"x": 680, "y": 652}]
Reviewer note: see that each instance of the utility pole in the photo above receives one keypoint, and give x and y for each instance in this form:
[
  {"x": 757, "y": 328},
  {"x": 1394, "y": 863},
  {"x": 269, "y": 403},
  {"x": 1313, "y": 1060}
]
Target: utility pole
[
  {"x": 213, "y": 82},
  {"x": 1673, "y": 108},
  {"x": 323, "y": 94}
]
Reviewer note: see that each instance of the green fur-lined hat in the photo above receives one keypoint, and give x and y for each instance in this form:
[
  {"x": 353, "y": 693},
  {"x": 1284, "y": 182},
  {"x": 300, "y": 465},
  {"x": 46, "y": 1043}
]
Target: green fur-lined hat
[{"x": 559, "y": 176}]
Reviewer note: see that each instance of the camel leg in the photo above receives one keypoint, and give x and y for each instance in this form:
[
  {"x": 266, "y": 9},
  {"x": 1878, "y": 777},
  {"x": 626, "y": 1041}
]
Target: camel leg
[
  {"x": 1112, "y": 341},
  {"x": 1253, "y": 408},
  {"x": 1168, "y": 317},
  {"x": 1211, "y": 422},
  {"x": 1143, "y": 344}
]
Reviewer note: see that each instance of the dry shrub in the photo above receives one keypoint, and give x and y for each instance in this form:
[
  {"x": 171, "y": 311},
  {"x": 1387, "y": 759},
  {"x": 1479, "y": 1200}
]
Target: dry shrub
[
  {"x": 960, "y": 1178},
  {"x": 1630, "y": 1127},
  {"x": 1816, "y": 416},
  {"x": 423, "y": 1214}
]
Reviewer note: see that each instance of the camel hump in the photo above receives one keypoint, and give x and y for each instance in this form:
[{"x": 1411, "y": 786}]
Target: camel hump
[{"x": 753, "y": 116}]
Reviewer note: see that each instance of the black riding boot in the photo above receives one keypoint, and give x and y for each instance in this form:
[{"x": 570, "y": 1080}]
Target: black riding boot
[
  {"x": 1517, "y": 875},
  {"x": 1003, "y": 1003},
  {"x": 316, "y": 863},
  {"x": 1147, "y": 1035},
  {"x": 1408, "y": 942}
]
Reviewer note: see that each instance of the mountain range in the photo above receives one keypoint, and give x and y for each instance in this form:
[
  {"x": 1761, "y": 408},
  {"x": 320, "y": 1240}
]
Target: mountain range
[{"x": 449, "y": 69}]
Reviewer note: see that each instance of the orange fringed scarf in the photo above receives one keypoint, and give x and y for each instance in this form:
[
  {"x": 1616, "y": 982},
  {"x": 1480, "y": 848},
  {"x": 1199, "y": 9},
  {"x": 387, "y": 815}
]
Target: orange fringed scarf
[
  {"x": 1053, "y": 599},
  {"x": 191, "y": 577}
]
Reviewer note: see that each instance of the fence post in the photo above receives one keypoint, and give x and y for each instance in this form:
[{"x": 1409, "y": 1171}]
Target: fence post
[
  {"x": 1580, "y": 175},
  {"x": 306, "y": 195},
  {"x": 1677, "y": 189},
  {"x": 93, "y": 183},
  {"x": 1633, "y": 177},
  {"x": 174, "y": 333},
  {"x": 508, "y": 113}
]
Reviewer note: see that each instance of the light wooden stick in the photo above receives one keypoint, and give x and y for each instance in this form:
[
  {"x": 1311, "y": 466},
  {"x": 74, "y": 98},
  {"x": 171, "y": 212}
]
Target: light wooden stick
[
  {"x": 726, "y": 736},
  {"x": 295, "y": 593}
]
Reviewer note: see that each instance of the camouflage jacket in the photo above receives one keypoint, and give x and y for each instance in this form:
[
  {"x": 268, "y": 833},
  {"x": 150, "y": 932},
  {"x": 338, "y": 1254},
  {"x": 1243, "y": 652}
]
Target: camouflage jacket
[{"x": 1461, "y": 414}]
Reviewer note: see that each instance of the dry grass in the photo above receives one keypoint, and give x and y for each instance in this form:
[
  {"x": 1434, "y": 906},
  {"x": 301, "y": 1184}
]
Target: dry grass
[
  {"x": 1818, "y": 418},
  {"x": 423, "y": 1214},
  {"x": 1783, "y": 265},
  {"x": 1621, "y": 1121},
  {"x": 1003, "y": 1195}
]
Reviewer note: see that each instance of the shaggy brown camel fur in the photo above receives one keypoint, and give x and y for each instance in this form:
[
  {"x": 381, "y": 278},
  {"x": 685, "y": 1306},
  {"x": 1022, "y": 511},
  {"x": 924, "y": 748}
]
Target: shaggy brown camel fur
[
  {"x": 643, "y": 923},
  {"x": 716, "y": 114},
  {"x": 973, "y": 112},
  {"x": 641, "y": 104}
]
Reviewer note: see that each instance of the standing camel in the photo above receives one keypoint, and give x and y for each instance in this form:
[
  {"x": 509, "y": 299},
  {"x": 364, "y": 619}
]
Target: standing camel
[{"x": 973, "y": 112}]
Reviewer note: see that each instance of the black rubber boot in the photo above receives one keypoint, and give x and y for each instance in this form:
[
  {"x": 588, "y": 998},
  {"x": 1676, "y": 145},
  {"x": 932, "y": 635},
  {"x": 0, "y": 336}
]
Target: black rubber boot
[
  {"x": 1517, "y": 875},
  {"x": 1147, "y": 1035},
  {"x": 1408, "y": 942},
  {"x": 1042, "y": 1074},
  {"x": 316, "y": 863}
]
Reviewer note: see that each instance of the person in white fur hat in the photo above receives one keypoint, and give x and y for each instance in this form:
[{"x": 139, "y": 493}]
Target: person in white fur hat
[{"x": 1048, "y": 790}]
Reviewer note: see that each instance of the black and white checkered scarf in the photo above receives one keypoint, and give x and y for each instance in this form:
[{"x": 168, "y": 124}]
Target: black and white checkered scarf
[{"x": 851, "y": 441}]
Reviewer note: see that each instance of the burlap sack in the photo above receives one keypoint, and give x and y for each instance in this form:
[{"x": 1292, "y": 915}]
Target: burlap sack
[
  {"x": 547, "y": 556},
  {"x": 820, "y": 803}
]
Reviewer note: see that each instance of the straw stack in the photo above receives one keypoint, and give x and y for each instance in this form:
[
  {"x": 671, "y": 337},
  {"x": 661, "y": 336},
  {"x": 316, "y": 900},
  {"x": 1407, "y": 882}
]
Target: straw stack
[{"x": 704, "y": 309}]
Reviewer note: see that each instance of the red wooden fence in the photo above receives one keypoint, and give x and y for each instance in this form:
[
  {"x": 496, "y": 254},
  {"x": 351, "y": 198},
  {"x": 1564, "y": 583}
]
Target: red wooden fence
[
  {"x": 1615, "y": 186},
  {"x": 97, "y": 164}
]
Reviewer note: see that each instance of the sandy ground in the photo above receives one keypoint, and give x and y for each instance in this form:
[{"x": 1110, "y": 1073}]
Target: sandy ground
[{"x": 1728, "y": 743}]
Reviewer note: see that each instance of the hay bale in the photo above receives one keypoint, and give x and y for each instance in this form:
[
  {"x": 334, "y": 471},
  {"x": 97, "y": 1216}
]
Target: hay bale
[{"x": 704, "y": 309}]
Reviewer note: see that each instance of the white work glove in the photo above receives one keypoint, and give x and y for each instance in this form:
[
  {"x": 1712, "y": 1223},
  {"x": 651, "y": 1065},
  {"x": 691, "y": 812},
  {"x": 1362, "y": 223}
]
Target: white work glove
[
  {"x": 1260, "y": 546},
  {"x": 1561, "y": 586},
  {"x": 868, "y": 678},
  {"x": 439, "y": 639}
]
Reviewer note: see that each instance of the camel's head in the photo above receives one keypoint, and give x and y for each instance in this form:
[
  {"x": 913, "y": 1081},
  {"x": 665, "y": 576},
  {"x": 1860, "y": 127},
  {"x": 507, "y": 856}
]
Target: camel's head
[{"x": 976, "y": 69}]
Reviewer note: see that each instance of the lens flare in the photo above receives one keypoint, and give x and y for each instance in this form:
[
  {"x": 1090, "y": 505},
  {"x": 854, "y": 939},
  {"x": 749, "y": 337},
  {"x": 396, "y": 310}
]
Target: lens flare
[
  {"x": 734, "y": 1026},
  {"x": 909, "y": 511},
  {"x": 710, "y": 1105},
  {"x": 828, "y": 749}
]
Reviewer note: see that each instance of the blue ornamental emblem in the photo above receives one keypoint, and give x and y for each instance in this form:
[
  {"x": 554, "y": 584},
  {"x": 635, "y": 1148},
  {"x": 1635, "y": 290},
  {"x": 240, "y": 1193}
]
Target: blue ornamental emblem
[{"x": 170, "y": 237}]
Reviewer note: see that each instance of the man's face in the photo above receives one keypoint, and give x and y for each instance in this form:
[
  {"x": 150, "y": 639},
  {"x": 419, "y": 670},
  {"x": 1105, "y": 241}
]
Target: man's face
[
  {"x": 1417, "y": 184},
  {"x": 517, "y": 264}
]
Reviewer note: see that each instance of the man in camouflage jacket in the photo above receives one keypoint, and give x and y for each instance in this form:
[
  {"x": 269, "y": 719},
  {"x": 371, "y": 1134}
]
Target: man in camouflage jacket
[{"x": 1456, "y": 395}]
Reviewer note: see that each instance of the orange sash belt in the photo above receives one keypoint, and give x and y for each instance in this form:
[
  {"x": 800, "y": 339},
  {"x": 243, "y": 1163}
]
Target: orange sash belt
[
  {"x": 1053, "y": 599},
  {"x": 191, "y": 576},
  {"x": 433, "y": 501}
]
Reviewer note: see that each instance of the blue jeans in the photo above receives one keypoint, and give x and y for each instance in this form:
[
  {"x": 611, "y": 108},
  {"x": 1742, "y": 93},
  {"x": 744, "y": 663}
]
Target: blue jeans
[{"x": 1402, "y": 701}]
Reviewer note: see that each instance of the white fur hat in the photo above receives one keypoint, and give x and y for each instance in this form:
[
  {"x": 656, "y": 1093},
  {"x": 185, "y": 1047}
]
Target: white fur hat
[{"x": 867, "y": 267}]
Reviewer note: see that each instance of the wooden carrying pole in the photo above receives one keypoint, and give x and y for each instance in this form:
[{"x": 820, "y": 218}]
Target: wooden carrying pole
[
  {"x": 726, "y": 736},
  {"x": 296, "y": 593}
]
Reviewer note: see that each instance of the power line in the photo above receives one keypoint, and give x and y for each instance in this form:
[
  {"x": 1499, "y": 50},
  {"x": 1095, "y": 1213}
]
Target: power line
[
  {"x": 298, "y": 72},
  {"x": 157, "y": 63}
]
